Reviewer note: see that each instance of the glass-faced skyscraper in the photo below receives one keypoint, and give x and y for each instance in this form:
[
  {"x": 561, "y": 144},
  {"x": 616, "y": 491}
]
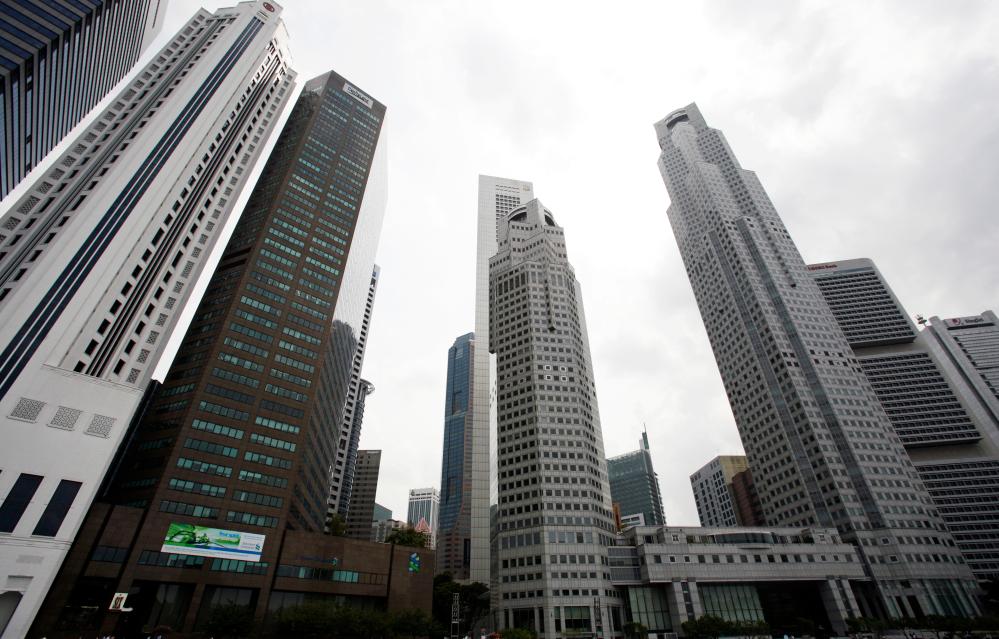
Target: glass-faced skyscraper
[
  {"x": 554, "y": 518},
  {"x": 822, "y": 450},
  {"x": 634, "y": 485},
  {"x": 58, "y": 60},
  {"x": 454, "y": 542},
  {"x": 98, "y": 260}
]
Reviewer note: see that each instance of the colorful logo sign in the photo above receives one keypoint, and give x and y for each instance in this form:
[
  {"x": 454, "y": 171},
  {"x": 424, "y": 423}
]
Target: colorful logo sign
[
  {"x": 269, "y": 7},
  {"x": 414, "y": 563},
  {"x": 189, "y": 539}
]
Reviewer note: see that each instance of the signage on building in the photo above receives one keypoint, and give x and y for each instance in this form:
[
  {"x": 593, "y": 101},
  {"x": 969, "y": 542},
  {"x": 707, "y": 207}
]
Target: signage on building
[
  {"x": 966, "y": 321},
  {"x": 357, "y": 94},
  {"x": 818, "y": 267},
  {"x": 414, "y": 563},
  {"x": 118, "y": 602},
  {"x": 189, "y": 539}
]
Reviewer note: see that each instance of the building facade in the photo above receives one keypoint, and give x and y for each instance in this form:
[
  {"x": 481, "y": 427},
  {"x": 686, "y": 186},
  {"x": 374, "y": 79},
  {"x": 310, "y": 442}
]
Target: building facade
[
  {"x": 724, "y": 493},
  {"x": 822, "y": 450},
  {"x": 554, "y": 499},
  {"x": 424, "y": 505},
  {"x": 362, "y": 509},
  {"x": 381, "y": 513},
  {"x": 497, "y": 197},
  {"x": 454, "y": 529},
  {"x": 779, "y": 576},
  {"x": 634, "y": 486},
  {"x": 382, "y": 528},
  {"x": 353, "y": 414},
  {"x": 98, "y": 260},
  {"x": 57, "y": 61},
  {"x": 934, "y": 386}
]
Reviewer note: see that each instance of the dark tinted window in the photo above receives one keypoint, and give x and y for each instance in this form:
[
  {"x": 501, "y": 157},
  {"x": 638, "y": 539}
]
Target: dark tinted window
[
  {"x": 55, "y": 512},
  {"x": 18, "y": 499}
]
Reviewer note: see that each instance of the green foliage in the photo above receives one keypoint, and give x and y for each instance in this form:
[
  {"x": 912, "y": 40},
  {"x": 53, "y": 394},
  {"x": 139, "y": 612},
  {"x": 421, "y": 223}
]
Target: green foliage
[
  {"x": 407, "y": 537},
  {"x": 324, "y": 621},
  {"x": 336, "y": 525},
  {"x": 635, "y": 630},
  {"x": 518, "y": 633},
  {"x": 707, "y": 627},
  {"x": 473, "y": 600},
  {"x": 230, "y": 621}
]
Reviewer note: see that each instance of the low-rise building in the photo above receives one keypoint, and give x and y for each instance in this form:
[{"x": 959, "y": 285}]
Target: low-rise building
[{"x": 671, "y": 574}]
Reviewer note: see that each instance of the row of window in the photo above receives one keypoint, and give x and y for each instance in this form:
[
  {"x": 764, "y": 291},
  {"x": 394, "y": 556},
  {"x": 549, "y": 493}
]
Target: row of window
[{"x": 21, "y": 495}]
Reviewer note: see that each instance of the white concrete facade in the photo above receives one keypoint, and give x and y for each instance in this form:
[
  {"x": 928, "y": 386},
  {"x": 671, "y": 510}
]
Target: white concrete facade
[{"x": 99, "y": 258}]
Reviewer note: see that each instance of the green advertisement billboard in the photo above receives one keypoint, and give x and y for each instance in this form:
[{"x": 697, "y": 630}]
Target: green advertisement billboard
[{"x": 190, "y": 539}]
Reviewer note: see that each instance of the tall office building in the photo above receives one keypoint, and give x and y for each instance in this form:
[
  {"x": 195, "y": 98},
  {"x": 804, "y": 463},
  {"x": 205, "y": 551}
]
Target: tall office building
[
  {"x": 934, "y": 386},
  {"x": 822, "y": 450},
  {"x": 634, "y": 485},
  {"x": 362, "y": 508},
  {"x": 724, "y": 493},
  {"x": 497, "y": 197},
  {"x": 57, "y": 61},
  {"x": 454, "y": 541},
  {"x": 554, "y": 520},
  {"x": 98, "y": 260},
  {"x": 349, "y": 439},
  {"x": 424, "y": 505},
  {"x": 242, "y": 435}
]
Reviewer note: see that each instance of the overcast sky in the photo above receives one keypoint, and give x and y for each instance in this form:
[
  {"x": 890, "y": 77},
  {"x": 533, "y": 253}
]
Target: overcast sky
[{"x": 874, "y": 126}]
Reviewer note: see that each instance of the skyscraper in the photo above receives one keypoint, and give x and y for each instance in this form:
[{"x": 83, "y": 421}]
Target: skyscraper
[
  {"x": 454, "y": 526},
  {"x": 497, "y": 197},
  {"x": 242, "y": 435},
  {"x": 634, "y": 485},
  {"x": 822, "y": 450},
  {"x": 362, "y": 510},
  {"x": 424, "y": 505},
  {"x": 934, "y": 386},
  {"x": 554, "y": 520},
  {"x": 57, "y": 61},
  {"x": 724, "y": 493},
  {"x": 98, "y": 260},
  {"x": 353, "y": 414}
]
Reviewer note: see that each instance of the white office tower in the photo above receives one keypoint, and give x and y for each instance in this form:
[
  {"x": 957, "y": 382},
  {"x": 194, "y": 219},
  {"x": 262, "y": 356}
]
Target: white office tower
[
  {"x": 497, "y": 197},
  {"x": 555, "y": 519},
  {"x": 821, "y": 449},
  {"x": 424, "y": 510},
  {"x": 98, "y": 260}
]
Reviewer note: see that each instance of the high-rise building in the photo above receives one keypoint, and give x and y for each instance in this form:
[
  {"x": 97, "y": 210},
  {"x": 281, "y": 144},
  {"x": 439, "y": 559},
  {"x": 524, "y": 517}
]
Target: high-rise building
[
  {"x": 382, "y": 528},
  {"x": 497, "y": 197},
  {"x": 634, "y": 485},
  {"x": 98, "y": 260},
  {"x": 424, "y": 505},
  {"x": 454, "y": 539},
  {"x": 934, "y": 386},
  {"x": 242, "y": 435},
  {"x": 353, "y": 413},
  {"x": 822, "y": 450},
  {"x": 724, "y": 493},
  {"x": 381, "y": 513},
  {"x": 362, "y": 505},
  {"x": 554, "y": 521},
  {"x": 57, "y": 61}
]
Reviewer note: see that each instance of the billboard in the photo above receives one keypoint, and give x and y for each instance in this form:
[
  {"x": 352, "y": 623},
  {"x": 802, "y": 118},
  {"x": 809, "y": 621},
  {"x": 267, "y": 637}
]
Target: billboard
[{"x": 190, "y": 539}]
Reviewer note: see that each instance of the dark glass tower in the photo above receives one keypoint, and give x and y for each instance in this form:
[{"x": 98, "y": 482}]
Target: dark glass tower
[
  {"x": 634, "y": 485},
  {"x": 57, "y": 60},
  {"x": 244, "y": 430},
  {"x": 454, "y": 527}
]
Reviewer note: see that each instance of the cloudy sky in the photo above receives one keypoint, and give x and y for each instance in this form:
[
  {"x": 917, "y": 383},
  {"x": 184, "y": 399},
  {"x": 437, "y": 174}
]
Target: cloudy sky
[{"x": 874, "y": 126}]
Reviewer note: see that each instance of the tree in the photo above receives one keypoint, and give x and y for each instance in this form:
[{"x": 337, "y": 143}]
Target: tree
[
  {"x": 410, "y": 623},
  {"x": 230, "y": 621},
  {"x": 635, "y": 630},
  {"x": 407, "y": 536},
  {"x": 336, "y": 525},
  {"x": 518, "y": 633},
  {"x": 707, "y": 627}
]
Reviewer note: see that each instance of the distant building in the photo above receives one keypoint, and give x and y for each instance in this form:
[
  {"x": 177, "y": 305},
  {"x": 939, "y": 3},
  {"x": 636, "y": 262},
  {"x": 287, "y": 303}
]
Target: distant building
[
  {"x": 938, "y": 387},
  {"x": 383, "y": 528},
  {"x": 362, "y": 501},
  {"x": 424, "y": 504},
  {"x": 629, "y": 521},
  {"x": 724, "y": 493},
  {"x": 454, "y": 534},
  {"x": 381, "y": 513},
  {"x": 635, "y": 486}
]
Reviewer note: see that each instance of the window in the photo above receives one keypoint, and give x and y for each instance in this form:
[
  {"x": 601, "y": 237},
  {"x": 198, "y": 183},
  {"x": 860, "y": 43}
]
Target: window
[
  {"x": 17, "y": 501},
  {"x": 58, "y": 506}
]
